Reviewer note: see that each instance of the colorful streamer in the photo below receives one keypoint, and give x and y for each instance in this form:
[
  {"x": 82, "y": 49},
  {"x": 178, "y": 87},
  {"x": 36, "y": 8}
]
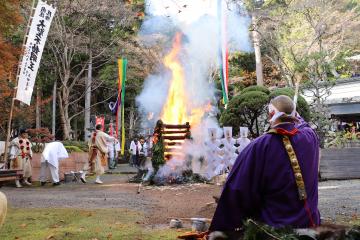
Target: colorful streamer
[
  {"x": 122, "y": 64},
  {"x": 223, "y": 52}
]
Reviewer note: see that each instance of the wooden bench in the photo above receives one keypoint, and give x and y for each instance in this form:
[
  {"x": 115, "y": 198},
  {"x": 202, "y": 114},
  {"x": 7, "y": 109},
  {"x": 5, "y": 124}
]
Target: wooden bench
[{"x": 10, "y": 175}]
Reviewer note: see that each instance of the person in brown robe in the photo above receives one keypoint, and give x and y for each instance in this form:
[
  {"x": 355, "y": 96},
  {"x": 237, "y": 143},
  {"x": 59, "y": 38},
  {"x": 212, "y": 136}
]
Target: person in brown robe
[{"x": 98, "y": 154}]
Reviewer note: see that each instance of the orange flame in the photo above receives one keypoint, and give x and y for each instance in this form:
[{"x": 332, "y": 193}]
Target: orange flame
[
  {"x": 174, "y": 111},
  {"x": 178, "y": 108}
]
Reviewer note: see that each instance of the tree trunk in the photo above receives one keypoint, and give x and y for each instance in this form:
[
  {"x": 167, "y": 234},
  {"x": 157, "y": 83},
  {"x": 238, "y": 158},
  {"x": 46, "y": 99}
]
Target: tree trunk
[
  {"x": 256, "y": 39},
  {"x": 75, "y": 124},
  {"x": 88, "y": 82},
  {"x": 64, "y": 113},
  {"x": 54, "y": 111},
  {"x": 131, "y": 122},
  {"x": 37, "y": 108}
]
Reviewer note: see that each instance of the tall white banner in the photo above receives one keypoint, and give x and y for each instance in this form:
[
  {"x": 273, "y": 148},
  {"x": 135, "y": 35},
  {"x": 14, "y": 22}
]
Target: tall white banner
[{"x": 34, "y": 47}]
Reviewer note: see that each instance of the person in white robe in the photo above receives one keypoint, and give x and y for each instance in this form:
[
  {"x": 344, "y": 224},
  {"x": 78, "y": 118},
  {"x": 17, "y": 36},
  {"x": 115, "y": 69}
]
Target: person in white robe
[
  {"x": 21, "y": 156},
  {"x": 50, "y": 157},
  {"x": 135, "y": 149},
  {"x": 215, "y": 163},
  {"x": 243, "y": 141},
  {"x": 113, "y": 150},
  {"x": 229, "y": 149}
]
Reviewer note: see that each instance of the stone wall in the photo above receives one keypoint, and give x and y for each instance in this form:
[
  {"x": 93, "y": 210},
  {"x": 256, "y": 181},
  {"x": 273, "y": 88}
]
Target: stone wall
[{"x": 75, "y": 162}]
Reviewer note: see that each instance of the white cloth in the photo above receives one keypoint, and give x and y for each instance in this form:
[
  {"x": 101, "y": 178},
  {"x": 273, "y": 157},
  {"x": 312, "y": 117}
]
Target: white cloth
[
  {"x": 113, "y": 148},
  {"x": 278, "y": 114},
  {"x": 44, "y": 172},
  {"x": 53, "y": 153},
  {"x": 133, "y": 147},
  {"x": 243, "y": 142}
]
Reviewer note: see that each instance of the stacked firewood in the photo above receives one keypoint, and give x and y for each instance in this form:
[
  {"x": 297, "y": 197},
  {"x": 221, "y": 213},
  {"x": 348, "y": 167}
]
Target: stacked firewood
[{"x": 174, "y": 136}]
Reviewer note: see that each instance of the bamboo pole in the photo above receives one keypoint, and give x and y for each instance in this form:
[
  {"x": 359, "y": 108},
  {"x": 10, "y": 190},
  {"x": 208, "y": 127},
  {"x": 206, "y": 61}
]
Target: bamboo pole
[{"x": 17, "y": 79}]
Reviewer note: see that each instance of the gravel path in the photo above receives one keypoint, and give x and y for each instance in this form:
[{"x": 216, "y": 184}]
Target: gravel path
[{"x": 338, "y": 200}]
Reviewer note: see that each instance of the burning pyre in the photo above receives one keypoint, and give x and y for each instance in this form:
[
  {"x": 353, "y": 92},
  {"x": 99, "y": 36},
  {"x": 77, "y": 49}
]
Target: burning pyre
[{"x": 178, "y": 116}]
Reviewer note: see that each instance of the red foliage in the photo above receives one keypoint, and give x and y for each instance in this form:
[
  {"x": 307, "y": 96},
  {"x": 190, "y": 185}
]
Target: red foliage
[
  {"x": 40, "y": 135},
  {"x": 10, "y": 19}
]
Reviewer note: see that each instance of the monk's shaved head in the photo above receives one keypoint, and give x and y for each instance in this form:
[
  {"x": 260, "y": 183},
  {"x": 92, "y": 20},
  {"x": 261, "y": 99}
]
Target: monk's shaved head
[{"x": 283, "y": 104}]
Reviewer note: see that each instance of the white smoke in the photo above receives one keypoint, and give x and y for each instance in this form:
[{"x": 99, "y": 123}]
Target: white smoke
[{"x": 198, "y": 22}]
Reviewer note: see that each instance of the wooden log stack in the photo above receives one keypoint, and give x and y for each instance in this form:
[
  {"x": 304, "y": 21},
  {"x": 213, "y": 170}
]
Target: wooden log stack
[{"x": 174, "y": 135}]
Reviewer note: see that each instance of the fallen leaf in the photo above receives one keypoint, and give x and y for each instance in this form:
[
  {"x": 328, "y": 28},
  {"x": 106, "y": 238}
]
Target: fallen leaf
[{"x": 51, "y": 236}]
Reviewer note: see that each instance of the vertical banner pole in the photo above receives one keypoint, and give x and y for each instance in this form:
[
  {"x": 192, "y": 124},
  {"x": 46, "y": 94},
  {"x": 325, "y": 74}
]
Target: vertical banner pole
[{"x": 15, "y": 89}]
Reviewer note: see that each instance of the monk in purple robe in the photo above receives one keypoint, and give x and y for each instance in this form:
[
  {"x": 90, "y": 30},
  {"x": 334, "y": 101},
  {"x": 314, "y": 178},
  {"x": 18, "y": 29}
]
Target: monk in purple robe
[{"x": 275, "y": 178}]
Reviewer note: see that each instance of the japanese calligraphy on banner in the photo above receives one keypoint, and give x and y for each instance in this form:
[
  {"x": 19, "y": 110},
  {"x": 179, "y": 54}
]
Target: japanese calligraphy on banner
[{"x": 34, "y": 47}]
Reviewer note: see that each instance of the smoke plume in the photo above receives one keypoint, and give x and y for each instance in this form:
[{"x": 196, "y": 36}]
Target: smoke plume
[{"x": 199, "y": 25}]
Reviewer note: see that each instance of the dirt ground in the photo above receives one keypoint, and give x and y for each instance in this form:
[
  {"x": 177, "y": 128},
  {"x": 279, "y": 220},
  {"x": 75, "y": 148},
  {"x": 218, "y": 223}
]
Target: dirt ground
[
  {"x": 339, "y": 201},
  {"x": 157, "y": 203}
]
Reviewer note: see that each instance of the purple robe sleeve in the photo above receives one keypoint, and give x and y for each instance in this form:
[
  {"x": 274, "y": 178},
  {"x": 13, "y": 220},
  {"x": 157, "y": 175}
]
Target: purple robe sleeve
[{"x": 241, "y": 196}]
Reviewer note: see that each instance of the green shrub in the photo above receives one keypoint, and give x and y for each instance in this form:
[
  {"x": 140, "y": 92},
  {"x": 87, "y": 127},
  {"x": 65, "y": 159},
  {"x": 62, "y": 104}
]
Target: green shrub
[
  {"x": 83, "y": 146},
  {"x": 256, "y": 88},
  {"x": 71, "y": 149},
  {"x": 245, "y": 110}
]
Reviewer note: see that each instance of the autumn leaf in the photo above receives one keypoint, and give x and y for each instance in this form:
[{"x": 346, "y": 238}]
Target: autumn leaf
[
  {"x": 51, "y": 236},
  {"x": 23, "y": 225}
]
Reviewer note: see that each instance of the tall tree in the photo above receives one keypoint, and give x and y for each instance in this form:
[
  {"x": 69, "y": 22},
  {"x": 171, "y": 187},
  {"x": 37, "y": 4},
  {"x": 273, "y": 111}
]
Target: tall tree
[
  {"x": 311, "y": 38},
  {"x": 83, "y": 32}
]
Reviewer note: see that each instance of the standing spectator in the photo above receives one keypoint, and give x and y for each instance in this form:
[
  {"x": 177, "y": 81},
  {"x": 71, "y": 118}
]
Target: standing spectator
[
  {"x": 113, "y": 148},
  {"x": 20, "y": 156},
  {"x": 143, "y": 152},
  {"x": 135, "y": 148},
  {"x": 98, "y": 150}
]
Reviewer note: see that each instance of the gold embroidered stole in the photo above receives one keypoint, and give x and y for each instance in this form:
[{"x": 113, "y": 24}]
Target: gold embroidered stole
[{"x": 294, "y": 164}]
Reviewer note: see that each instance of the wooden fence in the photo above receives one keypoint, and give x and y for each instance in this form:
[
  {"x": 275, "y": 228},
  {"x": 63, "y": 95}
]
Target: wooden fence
[{"x": 341, "y": 163}]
